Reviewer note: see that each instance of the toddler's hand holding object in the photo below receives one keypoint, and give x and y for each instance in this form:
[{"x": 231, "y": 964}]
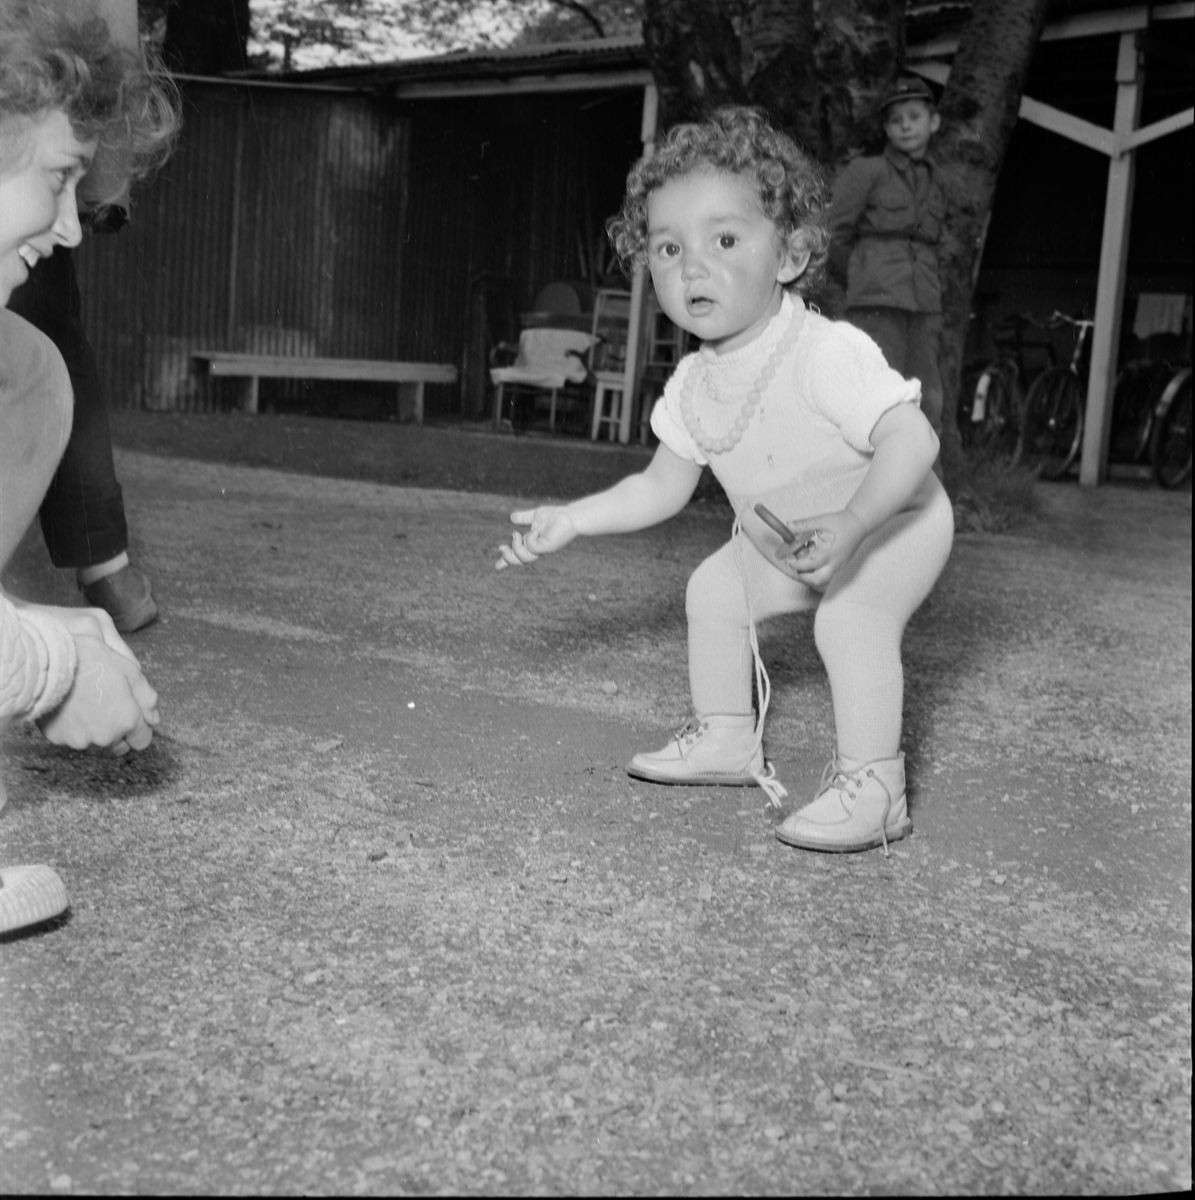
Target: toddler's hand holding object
[
  {"x": 827, "y": 543},
  {"x": 791, "y": 549}
]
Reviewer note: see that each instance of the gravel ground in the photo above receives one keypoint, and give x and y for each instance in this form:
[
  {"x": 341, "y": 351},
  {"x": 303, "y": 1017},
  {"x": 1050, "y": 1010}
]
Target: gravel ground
[{"x": 379, "y": 911}]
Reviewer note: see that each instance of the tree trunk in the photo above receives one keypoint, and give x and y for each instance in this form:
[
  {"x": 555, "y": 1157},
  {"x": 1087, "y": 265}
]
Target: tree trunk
[
  {"x": 816, "y": 66},
  {"x": 693, "y": 48},
  {"x": 979, "y": 110},
  {"x": 203, "y": 38}
]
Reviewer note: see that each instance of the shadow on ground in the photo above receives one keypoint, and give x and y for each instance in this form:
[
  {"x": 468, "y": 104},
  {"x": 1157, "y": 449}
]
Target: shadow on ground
[{"x": 380, "y": 912}]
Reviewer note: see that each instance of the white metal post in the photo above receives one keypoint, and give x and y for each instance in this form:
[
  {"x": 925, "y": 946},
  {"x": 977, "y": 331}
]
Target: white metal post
[
  {"x": 630, "y": 378},
  {"x": 1114, "y": 252}
]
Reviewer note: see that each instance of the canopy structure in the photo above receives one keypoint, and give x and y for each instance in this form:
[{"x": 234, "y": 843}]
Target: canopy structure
[{"x": 1120, "y": 144}]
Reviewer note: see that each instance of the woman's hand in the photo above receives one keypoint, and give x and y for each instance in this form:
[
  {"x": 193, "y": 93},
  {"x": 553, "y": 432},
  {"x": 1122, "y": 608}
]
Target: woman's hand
[
  {"x": 839, "y": 535},
  {"x": 110, "y": 703},
  {"x": 552, "y": 528}
]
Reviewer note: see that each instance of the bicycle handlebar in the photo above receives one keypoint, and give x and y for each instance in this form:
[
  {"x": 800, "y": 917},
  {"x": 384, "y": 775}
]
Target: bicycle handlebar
[{"x": 1058, "y": 318}]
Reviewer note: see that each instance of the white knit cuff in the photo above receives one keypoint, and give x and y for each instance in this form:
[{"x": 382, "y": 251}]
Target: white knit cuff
[{"x": 57, "y": 660}]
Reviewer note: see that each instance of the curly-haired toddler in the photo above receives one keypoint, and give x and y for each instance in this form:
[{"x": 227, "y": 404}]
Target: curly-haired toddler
[{"x": 798, "y": 416}]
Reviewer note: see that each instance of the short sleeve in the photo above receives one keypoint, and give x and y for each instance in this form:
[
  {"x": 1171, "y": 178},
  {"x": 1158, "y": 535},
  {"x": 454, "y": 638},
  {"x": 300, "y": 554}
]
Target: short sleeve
[
  {"x": 666, "y": 420},
  {"x": 850, "y": 384}
]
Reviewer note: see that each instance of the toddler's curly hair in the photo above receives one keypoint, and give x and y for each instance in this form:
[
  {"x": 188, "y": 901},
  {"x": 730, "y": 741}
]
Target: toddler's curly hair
[
  {"x": 59, "y": 56},
  {"x": 740, "y": 141}
]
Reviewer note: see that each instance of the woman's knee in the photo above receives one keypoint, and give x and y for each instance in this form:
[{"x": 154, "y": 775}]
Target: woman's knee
[{"x": 35, "y": 423}]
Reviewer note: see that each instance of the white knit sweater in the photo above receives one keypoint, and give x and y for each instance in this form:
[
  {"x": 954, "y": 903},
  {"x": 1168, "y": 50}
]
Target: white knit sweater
[{"x": 37, "y": 663}]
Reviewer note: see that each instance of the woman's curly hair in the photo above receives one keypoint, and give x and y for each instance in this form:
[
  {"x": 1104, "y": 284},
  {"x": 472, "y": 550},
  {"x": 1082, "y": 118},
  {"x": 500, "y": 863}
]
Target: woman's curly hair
[
  {"x": 57, "y": 56},
  {"x": 740, "y": 141}
]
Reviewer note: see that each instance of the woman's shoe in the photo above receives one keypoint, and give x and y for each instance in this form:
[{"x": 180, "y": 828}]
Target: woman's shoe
[{"x": 28, "y": 896}]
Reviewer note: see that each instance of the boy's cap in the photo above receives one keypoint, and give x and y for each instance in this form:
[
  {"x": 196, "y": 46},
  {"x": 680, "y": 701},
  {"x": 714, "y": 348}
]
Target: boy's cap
[{"x": 908, "y": 87}]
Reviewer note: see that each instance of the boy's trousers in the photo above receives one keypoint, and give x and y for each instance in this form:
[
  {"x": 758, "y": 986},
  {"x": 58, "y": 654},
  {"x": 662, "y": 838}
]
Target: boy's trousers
[{"x": 909, "y": 341}]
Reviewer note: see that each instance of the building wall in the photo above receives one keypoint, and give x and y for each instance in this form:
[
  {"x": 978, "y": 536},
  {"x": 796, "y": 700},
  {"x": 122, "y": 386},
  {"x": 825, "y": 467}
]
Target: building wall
[
  {"x": 339, "y": 225},
  {"x": 508, "y": 194},
  {"x": 276, "y": 226}
]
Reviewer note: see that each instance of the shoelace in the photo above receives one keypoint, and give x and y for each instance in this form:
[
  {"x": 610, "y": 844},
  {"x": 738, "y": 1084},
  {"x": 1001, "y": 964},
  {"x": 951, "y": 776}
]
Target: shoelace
[
  {"x": 766, "y": 779},
  {"x": 834, "y": 772},
  {"x": 690, "y": 731}
]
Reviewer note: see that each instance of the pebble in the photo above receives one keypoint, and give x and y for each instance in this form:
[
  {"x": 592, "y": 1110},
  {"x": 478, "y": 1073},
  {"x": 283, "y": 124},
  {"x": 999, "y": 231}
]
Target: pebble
[{"x": 610, "y": 688}]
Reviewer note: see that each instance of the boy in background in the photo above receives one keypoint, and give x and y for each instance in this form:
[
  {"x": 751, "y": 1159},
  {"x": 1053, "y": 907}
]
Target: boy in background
[{"x": 885, "y": 223}]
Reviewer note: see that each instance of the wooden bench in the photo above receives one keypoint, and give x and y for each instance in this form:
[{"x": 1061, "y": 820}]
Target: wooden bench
[{"x": 410, "y": 376}]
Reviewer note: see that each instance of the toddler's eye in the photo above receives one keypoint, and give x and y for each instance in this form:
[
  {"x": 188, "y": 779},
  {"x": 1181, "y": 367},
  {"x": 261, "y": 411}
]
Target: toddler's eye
[
  {"x": 667, "y": 250},
  {"x": 727, "y": 241}
]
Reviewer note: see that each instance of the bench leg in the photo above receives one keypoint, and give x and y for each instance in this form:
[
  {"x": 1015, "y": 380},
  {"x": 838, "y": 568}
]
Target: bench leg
[
  {"x": 249, "y": 395},
  {"x": 410, "y": 402}
]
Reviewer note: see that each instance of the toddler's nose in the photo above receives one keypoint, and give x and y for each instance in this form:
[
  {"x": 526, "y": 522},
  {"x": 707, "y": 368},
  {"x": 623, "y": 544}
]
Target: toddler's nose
[{"x": 693, "y": 266}]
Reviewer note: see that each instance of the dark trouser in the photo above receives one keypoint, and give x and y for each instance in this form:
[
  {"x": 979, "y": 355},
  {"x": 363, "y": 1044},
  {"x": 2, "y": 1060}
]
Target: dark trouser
[
  {"x": 82, "y": 516},
  {"x": 909, "y": 341}
]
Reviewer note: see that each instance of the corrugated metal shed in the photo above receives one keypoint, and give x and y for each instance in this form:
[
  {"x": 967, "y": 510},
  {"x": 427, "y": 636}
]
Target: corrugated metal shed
[
  {"x": 348, "y": 224},
  {"x": 277, "y": 225}
]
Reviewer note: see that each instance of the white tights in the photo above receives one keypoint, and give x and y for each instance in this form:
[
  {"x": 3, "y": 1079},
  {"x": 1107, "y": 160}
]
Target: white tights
[{"x": 858, "y": 628}]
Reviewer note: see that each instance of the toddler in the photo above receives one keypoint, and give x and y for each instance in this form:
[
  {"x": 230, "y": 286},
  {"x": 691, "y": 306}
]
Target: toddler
[{"x": 793, "y": 412}]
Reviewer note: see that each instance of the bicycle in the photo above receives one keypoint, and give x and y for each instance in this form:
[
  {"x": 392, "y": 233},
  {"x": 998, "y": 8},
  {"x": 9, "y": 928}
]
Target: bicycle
[
  {"x": 1170, "y": 440},
  {"x": 1051, "y": 434},
  {"x": 1139, "y": 385},
  {"x": 991, "y": 422}
]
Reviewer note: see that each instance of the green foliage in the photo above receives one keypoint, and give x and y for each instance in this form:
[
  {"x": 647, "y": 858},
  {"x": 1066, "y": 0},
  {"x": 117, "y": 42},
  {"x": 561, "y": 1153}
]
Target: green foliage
[
  {"x": 295, "y": 34},
  {"x": 991, "y": 496}
]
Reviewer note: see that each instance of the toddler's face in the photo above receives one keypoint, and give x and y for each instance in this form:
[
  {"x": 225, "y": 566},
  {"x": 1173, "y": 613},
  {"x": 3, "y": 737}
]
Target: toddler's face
[
  {"x": 37, "y": 196},
  {"x": 715, "y": 257},
  {"x": 909, "y": 125}
]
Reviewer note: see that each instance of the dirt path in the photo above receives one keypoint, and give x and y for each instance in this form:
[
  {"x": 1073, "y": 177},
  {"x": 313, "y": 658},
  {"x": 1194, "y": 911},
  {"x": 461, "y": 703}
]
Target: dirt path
[{"x": 380, "y": 912}]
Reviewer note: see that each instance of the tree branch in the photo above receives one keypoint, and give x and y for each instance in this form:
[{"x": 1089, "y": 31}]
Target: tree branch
[{"x": 574, "y": 7}]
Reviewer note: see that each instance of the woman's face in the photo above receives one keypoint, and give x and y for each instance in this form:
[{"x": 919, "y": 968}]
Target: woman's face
[{"x": 37, "y": 196}]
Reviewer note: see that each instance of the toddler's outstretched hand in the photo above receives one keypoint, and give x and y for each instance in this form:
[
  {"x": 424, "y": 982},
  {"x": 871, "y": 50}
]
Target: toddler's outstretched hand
[
  {"x": 552, "y": 528},
  {"x": 839, "y": 536}
]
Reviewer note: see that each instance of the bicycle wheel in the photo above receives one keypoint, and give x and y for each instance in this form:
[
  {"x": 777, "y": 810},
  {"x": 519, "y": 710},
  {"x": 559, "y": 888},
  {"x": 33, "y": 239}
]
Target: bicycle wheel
[
  {"x": 1170, "y": 446},
  {"x": 994, "y": 413},
  {"x": 1052, "y": 431},
  {"x": 1138, "y": 387}
]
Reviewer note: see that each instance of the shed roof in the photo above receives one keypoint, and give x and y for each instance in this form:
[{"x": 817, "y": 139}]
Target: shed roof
[
  {"x": 558, "y": 58},
  {"x": 932, "y": 28}
]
